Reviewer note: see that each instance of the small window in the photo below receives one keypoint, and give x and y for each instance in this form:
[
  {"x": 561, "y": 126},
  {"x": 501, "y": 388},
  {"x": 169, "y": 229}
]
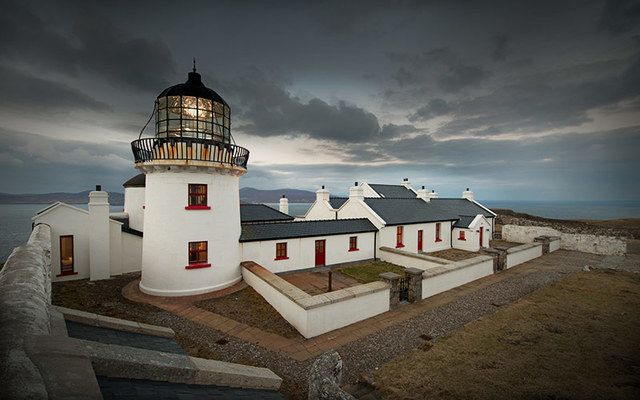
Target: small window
[
  {"x": 198, "y": 252},
  {"x": 197, "y": 196},
  {"x": 461, "y": 236},
  {"x": 353, "y": 243},
  {"x": 66, "y": 255},
  {"x": 281, "y": 251},
  {"x": 438, "y": 238},
  {"x": 399, "y": 234}
]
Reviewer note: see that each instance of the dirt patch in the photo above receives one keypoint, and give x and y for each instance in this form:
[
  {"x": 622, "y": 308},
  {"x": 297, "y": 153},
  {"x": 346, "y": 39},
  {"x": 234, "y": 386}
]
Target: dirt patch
[
  {"x": 370, "y": 271},
  {"x": 454, "y": 254},
  {"x": 317, "y": 282},
  {"x": 248, "y": 307},
  {"x": 576, "y": 339},
  {"x": 502, "y": 244}
]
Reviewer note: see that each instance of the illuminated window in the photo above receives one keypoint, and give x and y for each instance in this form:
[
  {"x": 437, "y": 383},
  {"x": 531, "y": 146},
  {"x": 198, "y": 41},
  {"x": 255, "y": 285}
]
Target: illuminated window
[
  {"x": 197, "y": 195},
  {"x": 399, "y": 234},
  {"x": 281, "y": 251},
  {"x": 198, "y": 252},
  {"x": 66, "y": 255},
  {"x": 353, "y": 243},
  {"x": 194, "y": 117},
  {"x": 461, "y": 236},
  {"x": 438, "y": 238}
]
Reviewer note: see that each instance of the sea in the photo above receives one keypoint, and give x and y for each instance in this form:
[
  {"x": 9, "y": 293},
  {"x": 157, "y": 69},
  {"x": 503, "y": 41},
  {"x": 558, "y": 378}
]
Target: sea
[{"x": 15, "y": 219}]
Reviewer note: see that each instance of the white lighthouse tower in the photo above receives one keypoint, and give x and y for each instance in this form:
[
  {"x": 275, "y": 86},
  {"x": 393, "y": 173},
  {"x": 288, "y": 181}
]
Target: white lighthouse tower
[{"x": 192, "y": 206}]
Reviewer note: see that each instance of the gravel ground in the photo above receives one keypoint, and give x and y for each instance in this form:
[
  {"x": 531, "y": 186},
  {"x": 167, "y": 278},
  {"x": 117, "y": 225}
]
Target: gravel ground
[{"x": 367, "y": 354}]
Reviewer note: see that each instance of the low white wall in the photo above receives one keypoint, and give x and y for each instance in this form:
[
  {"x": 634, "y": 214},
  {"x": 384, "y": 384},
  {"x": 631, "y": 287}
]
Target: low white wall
[
  {"x": 315, "y": 315},
  {"x": 520, "y": 254},
  {"x": 554, "y": 245},
  {"x": 408, "y": 260},
  {"x": 607, "y": 245},
  {"x": 443, "y": 278},
  {"x": 131, "y": 253}
]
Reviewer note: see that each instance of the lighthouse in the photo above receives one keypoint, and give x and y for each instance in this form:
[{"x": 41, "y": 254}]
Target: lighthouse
[{"x": 192, "y": 205}]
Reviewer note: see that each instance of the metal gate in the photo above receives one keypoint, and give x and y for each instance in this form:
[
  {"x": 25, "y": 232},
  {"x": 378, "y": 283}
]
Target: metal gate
[{"x": 403, "y": 289}]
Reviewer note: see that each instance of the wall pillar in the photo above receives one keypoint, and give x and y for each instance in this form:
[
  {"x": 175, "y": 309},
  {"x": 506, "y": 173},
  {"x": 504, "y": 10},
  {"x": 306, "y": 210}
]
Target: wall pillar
[
  {"x": 499, "y": 255},
  {"x": 414, "y": 282},
  {"x": 545, "y": 240},
  {"x": 99, "y": 249},
  {"x": 393, "y": 280}
]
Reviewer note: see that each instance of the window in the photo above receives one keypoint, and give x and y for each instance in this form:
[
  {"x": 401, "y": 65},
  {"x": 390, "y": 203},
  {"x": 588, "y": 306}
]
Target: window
[
  {"x": 66, "y": 255},
  {"x": 438, "y": 238},
  {"x": 353, "y": 243},
  {"x": 198, "y": 255},
  {"x": 461, "y": 236},
  {"x": 197, "y": 199},
  {"x": 281, "y": 251},
  {"x": 399, "y": 233}
]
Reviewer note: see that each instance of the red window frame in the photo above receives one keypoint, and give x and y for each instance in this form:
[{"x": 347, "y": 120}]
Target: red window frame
[
  {"x": 438, "y": 231},
  {"x": 461, "y": 235},
  {"x": 353, "y": 243},
  {"x": 197, "y": 197},
  {"x": 198, "y": 255},
  {"x": 399, "y": 236},
  {"x": 281, "y": 251}
]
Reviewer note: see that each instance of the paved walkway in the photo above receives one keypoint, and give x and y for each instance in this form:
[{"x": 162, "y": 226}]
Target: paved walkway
[{"x": 304, "y": 349}]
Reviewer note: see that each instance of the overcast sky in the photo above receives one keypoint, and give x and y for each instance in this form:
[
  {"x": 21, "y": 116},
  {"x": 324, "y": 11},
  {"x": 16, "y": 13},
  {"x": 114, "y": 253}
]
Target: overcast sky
[{"x": 535, "y": 100}]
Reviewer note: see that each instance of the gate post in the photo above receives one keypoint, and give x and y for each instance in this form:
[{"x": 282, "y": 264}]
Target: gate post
[
  {"x": 545, "y": 240},
  {"x": 393, "y": 280},
  {"x": 414, "y": 282}
]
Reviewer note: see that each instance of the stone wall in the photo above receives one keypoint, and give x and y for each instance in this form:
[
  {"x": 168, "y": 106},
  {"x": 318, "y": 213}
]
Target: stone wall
[
  {"x": 25, "y": 296},
  {"x": 607, "y": 245}
]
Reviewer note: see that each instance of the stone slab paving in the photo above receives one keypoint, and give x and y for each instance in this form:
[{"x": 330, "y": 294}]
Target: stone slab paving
[{"x": 553, "y": 265}]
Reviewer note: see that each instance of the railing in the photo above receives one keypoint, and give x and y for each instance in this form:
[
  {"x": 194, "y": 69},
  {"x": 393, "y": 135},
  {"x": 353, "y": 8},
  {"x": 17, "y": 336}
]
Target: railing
[{"x": 151, "y": 149}]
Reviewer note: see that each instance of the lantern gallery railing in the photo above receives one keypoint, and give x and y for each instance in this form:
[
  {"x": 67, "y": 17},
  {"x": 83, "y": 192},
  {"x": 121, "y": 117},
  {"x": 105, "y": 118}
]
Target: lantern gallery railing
[{"x": 150, "y": 149}]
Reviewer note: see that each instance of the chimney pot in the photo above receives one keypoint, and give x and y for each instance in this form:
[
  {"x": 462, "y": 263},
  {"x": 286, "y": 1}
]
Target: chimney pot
[
  {"x": 423, "y": 186},
  {"x": 355, "y": 184},
  {"x": 98, "y": 188},
  {"x": 323, "y": 186}
]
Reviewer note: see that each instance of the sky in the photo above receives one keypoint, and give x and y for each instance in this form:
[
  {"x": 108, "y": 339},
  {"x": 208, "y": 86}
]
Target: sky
[{"x": 516, "y": 100}]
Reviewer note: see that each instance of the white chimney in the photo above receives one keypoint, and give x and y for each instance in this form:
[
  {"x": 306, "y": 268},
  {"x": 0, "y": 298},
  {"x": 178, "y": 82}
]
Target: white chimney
[
  {"x": 406, "y": 183},
  {"x": 284, "y": 205},
  {"x": 356, "y": 192},
  {"x": 99, "y": 249},
  {"x": 467, "y": 194},
  {"x": 432, "y": 194},
  {"x": 424, "y": 194},
  {"x": 322, "y": 194}
]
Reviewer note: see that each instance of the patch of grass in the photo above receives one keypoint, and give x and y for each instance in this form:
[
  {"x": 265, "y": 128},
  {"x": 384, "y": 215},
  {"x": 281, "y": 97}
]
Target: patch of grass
[
  {"x": 576, "y": 339},
  {"x": 454, "y": 254},
  {"x": 369, "y": 272}
]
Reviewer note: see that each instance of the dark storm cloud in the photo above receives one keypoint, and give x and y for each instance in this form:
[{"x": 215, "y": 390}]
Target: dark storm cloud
[
  {"x": 85, "y": 43},
  {"x": 23, "y": 92},
  {"x": 620, "y": 16},
  {"x": 435, "y": 108},
  {"x": 501, "y": 47}
]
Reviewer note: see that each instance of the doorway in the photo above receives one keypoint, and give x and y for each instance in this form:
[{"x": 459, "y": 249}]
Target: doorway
[{"x": 320, "y": 252}]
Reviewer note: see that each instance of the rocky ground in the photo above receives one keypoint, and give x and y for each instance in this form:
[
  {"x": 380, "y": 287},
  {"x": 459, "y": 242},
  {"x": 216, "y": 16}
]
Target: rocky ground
[{"x": 629, "y": 227}]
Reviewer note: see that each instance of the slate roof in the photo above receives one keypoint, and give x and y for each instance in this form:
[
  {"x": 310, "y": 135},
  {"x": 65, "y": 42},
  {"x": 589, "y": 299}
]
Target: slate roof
[
  {"x": 393, "y": 191},
  {"x": 337, "y": 202},
  {"x": 137, "y": 181},
  {"x": 414, "y": 210},
  {"x": 301, "y": 229},
  {"x": 252, "y": 213},
  {"x": 464, "y": 221}
]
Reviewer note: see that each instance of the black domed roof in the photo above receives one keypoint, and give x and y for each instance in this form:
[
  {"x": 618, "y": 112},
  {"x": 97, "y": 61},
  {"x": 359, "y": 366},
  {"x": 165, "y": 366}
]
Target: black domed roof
[{"x": 193, "y": 87}]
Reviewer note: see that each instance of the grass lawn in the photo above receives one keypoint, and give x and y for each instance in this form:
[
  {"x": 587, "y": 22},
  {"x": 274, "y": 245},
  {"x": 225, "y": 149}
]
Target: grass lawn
[
  {"x": 369, "y": 272},
  {"x": 576, "y": 339}
]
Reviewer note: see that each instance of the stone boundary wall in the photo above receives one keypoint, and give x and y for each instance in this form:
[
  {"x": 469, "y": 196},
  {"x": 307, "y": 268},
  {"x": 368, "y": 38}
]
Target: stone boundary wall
[
  {"x": 523, "y": 253},
  {"x": 315, "y": 315},
  {"x": 440, "y": 279},
  {"x": 25, "y": 296},
  {"x": 606, "y": 245},
  {"x": 410, "y": 260}
]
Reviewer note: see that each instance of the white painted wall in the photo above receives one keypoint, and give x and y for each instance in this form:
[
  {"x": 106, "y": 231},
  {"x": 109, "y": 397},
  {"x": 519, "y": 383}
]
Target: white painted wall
[
  {"x": 387, "y": 237},
  {"x": 554, "y": 245},
  {"x": 168, "y": 228},
  {"x": 457, "y": 277},
  {"x": 320, "y": 210},
  {"x": 367, "y": 191},
  {"x": 131, "y": 253},
  {"x": 301, "y": 251},
  {"x": 406, "y": 261},
  {"x": 133, "y": 205},
  {"x": 357, "y": 208},
  {"x": 471, "y": 242},
  {"x": 99, "y": 236},
  {"x": 521, "y": 254}
]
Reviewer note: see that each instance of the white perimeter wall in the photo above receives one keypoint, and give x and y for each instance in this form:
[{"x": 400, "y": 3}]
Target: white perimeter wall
[
  {"x": 520, "y": 254},
  {"x": 607, "y": 245},
  {"x": 131, "y": 253},
  {"x": 554, "y": 245},
  {"x": 410, "y": 260},
  {"x": 471, "y": 270},
  {"x": 410, "y": 237},
  {"x": 301, "y": 252},
  {"x": 133, "y": 205}
]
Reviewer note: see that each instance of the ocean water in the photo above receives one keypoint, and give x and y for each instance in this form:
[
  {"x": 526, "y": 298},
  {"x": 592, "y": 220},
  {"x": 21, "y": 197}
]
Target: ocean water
[{"x": 15, "y": 219}]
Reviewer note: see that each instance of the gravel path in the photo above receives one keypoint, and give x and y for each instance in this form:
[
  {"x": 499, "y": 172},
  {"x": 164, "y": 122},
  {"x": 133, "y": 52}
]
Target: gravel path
[{"x": 364, "y": 355}]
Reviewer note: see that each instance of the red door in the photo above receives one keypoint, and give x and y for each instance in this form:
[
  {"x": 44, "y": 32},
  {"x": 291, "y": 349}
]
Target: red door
[
  {"x": 320, "y": 253},
  {"x": 420, "y": 240},
  {"x": 481, "y": 231}
]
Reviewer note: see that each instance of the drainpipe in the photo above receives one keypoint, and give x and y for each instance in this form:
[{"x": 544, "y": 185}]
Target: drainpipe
[{"x": 375, "y": 237}]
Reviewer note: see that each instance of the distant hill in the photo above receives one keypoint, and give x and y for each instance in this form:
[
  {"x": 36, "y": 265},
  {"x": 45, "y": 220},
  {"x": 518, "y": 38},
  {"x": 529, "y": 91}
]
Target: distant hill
[
  {"x": 115, "y": 199},
  {"x": 251, "y": 195}
]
